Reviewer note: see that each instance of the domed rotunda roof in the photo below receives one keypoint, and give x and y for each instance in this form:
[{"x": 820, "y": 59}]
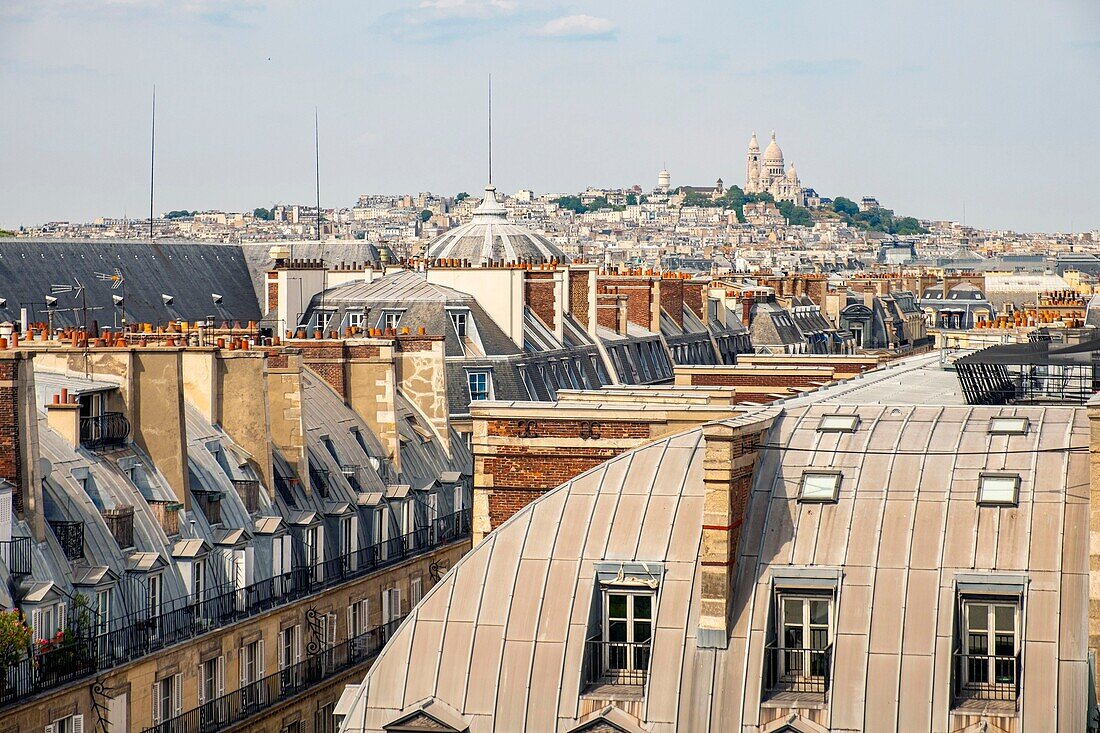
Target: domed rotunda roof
[
  {"x": 490, "y": 237},
  {"x": 772, "y": 153}
]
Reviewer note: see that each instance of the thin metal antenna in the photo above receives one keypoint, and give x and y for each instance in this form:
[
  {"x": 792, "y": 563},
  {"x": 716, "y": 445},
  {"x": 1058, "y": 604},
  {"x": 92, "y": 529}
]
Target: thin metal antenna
[
  {"x": 490, "y": 128},
  {"x": 317, "y": 171},
  {"x": 152, "y": 158}
]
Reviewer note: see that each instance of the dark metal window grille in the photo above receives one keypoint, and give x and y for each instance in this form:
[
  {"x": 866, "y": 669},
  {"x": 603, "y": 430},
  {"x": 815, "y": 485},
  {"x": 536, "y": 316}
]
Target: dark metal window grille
[
  {"x": 120, "y": 522},
  {"x": 249, "y": 491},
  {"x": 108, "y": 429},
  {"x": 70, "y": 535}
]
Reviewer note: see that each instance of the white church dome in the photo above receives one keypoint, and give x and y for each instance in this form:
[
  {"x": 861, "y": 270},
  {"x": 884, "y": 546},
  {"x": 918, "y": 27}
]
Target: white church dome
[
  {"x": 772, "y": 154},
  {"x": 491, "y": 237}
]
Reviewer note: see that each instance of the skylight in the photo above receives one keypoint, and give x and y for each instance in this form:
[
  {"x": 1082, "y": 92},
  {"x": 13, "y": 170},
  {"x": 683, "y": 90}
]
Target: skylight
[
  {"x": 821, "y": 486},
  {"x": 1009, "y": 425},
  {"x": 838, "y": 423},
  {"x": 999, "y": 490}
]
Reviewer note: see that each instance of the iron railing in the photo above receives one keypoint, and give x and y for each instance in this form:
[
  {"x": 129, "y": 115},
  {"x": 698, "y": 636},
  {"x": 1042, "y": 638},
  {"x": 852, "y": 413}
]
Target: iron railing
[
  {"x": 616, "y": 662},
  {"x": 167, "y": 514},
  {"x": 70, "y": 535},
  {"x": 16, "y": 555},
  {"x": 211, "y": 504},
  {"x": 108, "y": 429},
  {"x": 249, "y": 491},
  {"x": 138, "y": 634},
  {"x": 796, "y": 670},
  {"x": 120, "y": 521},
  {"x": 285, "y": 684},
  {"x": 986, "y": 677}
]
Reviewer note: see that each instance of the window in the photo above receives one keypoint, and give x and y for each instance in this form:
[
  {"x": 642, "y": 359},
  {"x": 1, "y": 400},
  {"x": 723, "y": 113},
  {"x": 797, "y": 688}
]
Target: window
[
  {"x": 69, "y": 724},
  {"x": 820, "y": 486},
  {"x": 47, "y": 620},
  {"x": 347, "y": 536},
  {"x": 838, "y": 424},
  {"x": 458, "y": 321},
  {"x": 1009, "y": 425},
  {"x": 623, "y": 647},
  {"x": 990, "y": 644},
  {"x": 314, "y": 551},
  {"x": 103, "y": 610},
  {"x": 250, "y": 664},
  {"x": 211, "y": 687},
  {"x": 479, "y": 385},
  {"x": 167, "y": 702},
  {"x": 390, "y": 319},
  {"x": 293, "y": 727},
  {"x": 324, "y": 719},
  {"x": 290, "y": 653},
  {"x": 153, "y": 598},
  {"x": 358, "y": 618},
  {"x": 804, "y": 634},
  {"x": 198, "y": 580},
  {"x": 391, "y": 605},
  {"x": 415, "y": 592},
  {"x": 998, "y": 490},
  {"x": 355, "y": 320}
]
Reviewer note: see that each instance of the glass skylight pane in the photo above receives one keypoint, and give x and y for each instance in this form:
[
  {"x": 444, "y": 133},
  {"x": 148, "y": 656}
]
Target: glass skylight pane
[
  {"x": 1008, "y": 425},
  {"x": 997, "y": 490},
  {"x": 838, "y": 423},
  {"x": 820, "y": 486}
]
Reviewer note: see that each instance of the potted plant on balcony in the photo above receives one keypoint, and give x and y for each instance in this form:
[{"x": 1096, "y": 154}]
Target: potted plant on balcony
[{"x": 15, "y": 643}]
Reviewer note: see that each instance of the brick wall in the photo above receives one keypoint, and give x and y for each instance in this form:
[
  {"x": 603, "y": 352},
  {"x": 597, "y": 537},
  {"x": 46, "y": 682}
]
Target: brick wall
[
  {"x": 10, "y": 451},
  {"x": 694, "y": 293},
  {"x": 639, "y": 298},
  {"x": 272, "y": 294},
  {"x": 578, "y": 296},
  {"x": 607, "y": 313},
  {"x": 672, "y": 299},
  {"x": 567, "y": 429},
  {"x": 538, "y": 294},
  {"x": 725, "y": 379}
]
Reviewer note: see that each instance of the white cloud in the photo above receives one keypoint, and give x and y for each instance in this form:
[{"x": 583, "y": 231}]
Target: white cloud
[
  {"x": 579, "y": 26},
  {"x": 468, "y": 8}
]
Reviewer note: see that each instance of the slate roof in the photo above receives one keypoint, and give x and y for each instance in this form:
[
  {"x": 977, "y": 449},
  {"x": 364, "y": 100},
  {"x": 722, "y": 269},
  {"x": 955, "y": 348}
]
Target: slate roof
[{"x": 187, "y": 271}]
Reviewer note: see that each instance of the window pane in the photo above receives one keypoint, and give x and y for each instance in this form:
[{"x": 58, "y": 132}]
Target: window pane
[
  {"x": 977, "y": 616},
  {"x": 643, "y": 632},
  {"x": 997, "y": 489},
  {"x": 977, "y": 644},
  {"x": 792, "y": 611},
  {"x": 819, "y": 613},
  {"x": 819, "y": 485},
  {"x": 616, "y": 631},
  {"x": 792, "y": 637},
  {"x": 616, "y": 606},
  {"x": 643, "y": 606},
  {"x": 1004, "y": 618},
  {"x": 1005, "y": 645}
]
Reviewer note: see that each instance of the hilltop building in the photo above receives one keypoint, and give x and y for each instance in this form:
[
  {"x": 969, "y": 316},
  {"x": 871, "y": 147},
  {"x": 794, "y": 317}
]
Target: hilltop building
[{"x": 769, "y": 175}]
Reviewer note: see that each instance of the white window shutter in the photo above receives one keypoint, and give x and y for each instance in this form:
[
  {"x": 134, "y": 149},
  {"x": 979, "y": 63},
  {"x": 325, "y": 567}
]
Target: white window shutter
[
  {"x": 397, "y": 602},
  {"x": 36, "y": 623},
  {"x": 60, "y": 617},
  {"x": 177, "y": 694},
  {"x": 351, "y": 626},
  {"x": 241, "y": 667},
  {"x": 219, "y": 675},
  {"x": 332, "y": 629},
  {"x": 156, "y": 703},
  {"x": 260, "y": 659},
  {"x": 78, "y": 724},
  {"x": 385, "y": 606},
  {"x": 202, "y": 685}
]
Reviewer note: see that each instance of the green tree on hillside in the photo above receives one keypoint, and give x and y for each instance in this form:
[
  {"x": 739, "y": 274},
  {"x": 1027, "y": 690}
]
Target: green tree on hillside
[{"x": 425, "y": 215}]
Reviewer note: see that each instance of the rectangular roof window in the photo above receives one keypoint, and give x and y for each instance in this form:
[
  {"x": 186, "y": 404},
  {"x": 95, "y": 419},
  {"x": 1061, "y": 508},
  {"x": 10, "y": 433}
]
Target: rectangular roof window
[
  {"x": 998, "y": 489},
  {"x": 838, "y": 424},
  {"x": 1008, "y": 425},
  {"x": 820, "y": 486}
]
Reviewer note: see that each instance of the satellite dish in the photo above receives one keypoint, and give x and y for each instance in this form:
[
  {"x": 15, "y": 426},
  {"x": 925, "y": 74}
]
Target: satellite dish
[
  {"x": 45, "y": 468},
  {"x": 167, "y": 299},
  {"x": 216, "y": 298},
  {"x": 117, "y": 299}
]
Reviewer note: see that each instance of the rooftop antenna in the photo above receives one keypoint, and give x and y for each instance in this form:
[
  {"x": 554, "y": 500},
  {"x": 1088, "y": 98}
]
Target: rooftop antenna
[
  {"x": 152, "y": 158},
  {"x": 490, "y": 128},
  {"x": 317, "y": 169}
]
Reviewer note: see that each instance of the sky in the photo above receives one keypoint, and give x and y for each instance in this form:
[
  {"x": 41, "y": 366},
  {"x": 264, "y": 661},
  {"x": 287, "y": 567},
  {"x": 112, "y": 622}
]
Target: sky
[{"x": 981, "y": 111}]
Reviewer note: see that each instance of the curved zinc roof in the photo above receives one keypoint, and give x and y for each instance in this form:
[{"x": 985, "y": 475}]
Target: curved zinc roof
[
  {"x": 490, "y": 237},
  {"x": 500, "y": 639}
]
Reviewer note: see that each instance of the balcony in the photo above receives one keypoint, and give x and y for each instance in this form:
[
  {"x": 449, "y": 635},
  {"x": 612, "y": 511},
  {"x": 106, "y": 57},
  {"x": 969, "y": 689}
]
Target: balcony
[
  {"x": 104, "y": 431},
  {"x": 120, "y": 522},
  {"x": 985, "y": 683},
  {"x": 168, "y": 516},
  {"x": 210, "y": 502},
  {"x": 614, "y": 669},
  {"x": 70, "y": 535},
  {"x": 249, "y": 491},
  {"x": 181, "y": 619},
  {"x": 796, "y": 676},
  {"x": 258, "y": 697},
  {"x": 16, "y": 554}
]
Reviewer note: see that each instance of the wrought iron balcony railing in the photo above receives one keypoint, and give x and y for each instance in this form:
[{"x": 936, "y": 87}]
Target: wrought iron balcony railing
[
  {"x": 211, "y": 504},
  {"x": 144, "y": 632},
  {"x": 616, "y": 662},
  {"x": 120, "y": 522},
  {"x": 70, "y": 535},
  {"x": 101, "y": 431},
  {"x": 986, "y": 678},
  {"x": 16, "y": 555},
  {"x": 796, "y": 670},
  {"x": 249, "y": 491}
]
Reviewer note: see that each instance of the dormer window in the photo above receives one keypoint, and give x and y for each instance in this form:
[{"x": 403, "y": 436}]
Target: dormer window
[
  {"x": 819, "y": 486},
  {"x": 1009, "y": 425},
  {"x": 838, "y": 424},
  {"x": 390, "y": 319},
  {"x": 480, "y": 385},
  {"x": 458, "y": 322}
]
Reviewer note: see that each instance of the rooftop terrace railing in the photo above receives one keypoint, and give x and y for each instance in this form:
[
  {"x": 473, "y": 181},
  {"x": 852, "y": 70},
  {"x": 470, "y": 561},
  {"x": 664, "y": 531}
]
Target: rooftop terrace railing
[
  {"x": 249, "y": 491},
  {"x": 16, "y": 555},
  {"x": 70, "y": 535},
  {"x": 102, "y": 431},
  {"x": 255, "y": 698},
  {"x": 138, "y": 634}
]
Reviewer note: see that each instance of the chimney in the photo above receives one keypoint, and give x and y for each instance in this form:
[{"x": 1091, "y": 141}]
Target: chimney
[
  {"x": 729, "y": 464},
  {"x": 284, "y": 397},
  {"x": 371, "y": 379},
  {"x": 747, "y": 300},
  {"x": 19, "y": 439},
  {"x": 422, "y": 379}
]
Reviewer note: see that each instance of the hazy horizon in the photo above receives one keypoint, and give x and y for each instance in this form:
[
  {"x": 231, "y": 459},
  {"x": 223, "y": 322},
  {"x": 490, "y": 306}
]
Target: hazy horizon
[{"x": 935, "y": 108}]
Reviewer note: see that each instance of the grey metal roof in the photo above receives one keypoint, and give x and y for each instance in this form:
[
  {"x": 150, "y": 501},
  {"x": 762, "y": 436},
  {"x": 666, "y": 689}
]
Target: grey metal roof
[
  {"x": 500, "y": 638},
  {"x": 490, "y": 237}
]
